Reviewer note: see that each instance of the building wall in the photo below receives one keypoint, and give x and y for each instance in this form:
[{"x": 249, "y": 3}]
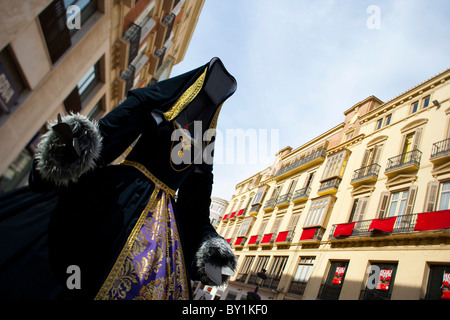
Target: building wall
[
  {"x": 44, "y": 85},
  {"x": 413, "y": 254}
]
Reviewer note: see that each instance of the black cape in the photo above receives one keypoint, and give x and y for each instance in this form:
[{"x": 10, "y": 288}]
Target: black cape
[{"x": 45, "y": 229}]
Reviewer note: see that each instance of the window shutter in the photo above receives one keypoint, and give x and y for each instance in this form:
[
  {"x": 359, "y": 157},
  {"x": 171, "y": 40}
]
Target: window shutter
[
  {"x": 54, "y": 29},
  {"x": 381, "y": 211},
  {"x": 376, "y": 157},
  {"x": 365, "y": 158},
  {"x": 416, "y": 140},
  {"x": 411, "y": 199},
  {"x": 431, "y": 197},
  {"x": 361, "y": 209}
]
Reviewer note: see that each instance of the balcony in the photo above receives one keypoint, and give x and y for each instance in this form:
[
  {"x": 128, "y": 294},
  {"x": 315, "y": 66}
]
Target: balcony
[
  {"x": 312, "y": 235},
  {"x": 404, "y": 163},
  {"x": 364, "y": 175},
  {"x": 410, "y": 224},
  {"x": 240, "y": 242},
  {"x": 268, "y": 239},
  {"x": 329, "y": 186},
  {"x": 133, "y": 36},
  {"x": 440, "y": 153},
  {"x": 285, "y": 237},
  {"x": 301, "y": 164},
  {"x": 270, "y": 204},
  {"x": 254, "y": 209},
  {"x": 284, "y": 200},
  {"x": 254, "y": 241},
  {"x": 301, "y": 195},
  {"x": 297, "y": 287}
]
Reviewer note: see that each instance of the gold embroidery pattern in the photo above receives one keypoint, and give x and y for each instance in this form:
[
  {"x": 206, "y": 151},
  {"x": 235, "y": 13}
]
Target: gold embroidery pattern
[
  {"x": 158, "y": 183},
  {"x": 186, "y": 98},
  {"x": 160, "y": 272}
]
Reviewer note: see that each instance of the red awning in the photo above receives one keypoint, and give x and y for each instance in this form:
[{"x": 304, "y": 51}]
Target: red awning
[
  {"x": 308, "y": 234},
  {"x": 228, "y": 240},
  {"x": 232, "y": 214},
  {"x": 225, "y": 217},
  {"x": 344, "y": 229},
  {"x": 240, "y": 212},
  {"x": 282, "y": 236},
  {"x": 253, "y": 239},
  {"x": 238, "y": 241},
  {"x": 267, "y": 238},
  {"x": 433, "y": 220},
  {"x": 386, "y": 225}
]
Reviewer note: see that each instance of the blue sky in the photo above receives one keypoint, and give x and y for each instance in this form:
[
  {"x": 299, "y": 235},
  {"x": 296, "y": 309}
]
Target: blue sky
[{"x": 301, "y": 63}]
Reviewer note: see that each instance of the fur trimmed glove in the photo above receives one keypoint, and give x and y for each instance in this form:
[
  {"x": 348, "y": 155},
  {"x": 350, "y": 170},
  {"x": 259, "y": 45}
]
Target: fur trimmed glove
[
  {"x": 69, "y": 149},
  {"x": 216, "y": 251}
]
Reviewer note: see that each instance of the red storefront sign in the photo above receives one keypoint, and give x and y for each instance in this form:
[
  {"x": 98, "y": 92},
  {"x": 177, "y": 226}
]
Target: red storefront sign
[
  {"x": 338, "y": 275},
  {"x": 385, "y": 279},
  {"x": 446, "y": 286}
]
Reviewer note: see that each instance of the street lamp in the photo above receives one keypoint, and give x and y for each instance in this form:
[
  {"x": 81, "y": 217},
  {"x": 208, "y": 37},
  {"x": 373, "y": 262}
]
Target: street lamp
[{"x": 260, "y": 277}]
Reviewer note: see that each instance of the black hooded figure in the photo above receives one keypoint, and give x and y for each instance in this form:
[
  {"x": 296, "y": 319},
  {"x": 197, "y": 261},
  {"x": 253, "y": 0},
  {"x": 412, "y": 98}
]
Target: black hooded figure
[{"x": 88, "y": 229}]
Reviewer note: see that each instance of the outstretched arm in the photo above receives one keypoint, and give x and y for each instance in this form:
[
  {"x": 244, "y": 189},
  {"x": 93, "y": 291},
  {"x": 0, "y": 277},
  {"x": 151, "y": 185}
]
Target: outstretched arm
[{"x": 202, "y": 244}]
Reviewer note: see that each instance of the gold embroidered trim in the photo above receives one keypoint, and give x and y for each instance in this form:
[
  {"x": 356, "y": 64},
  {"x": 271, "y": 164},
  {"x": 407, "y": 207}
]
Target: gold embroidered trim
[
  {"x": 158, "y": 183},
  {"x": 186, "y": 98},
  {"x": 106, "y": 287}
]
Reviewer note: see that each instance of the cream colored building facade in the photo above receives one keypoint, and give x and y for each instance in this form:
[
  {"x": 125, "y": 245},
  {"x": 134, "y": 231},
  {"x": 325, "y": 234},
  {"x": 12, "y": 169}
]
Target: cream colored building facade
[
  {"x": 49, "y": 64},
  {"x": 359, "y": 212}
]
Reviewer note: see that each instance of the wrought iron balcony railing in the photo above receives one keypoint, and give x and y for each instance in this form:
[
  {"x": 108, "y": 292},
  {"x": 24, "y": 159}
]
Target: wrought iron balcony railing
[
  {"x": 322, "y": 153},
  {"x": 440, "y": 148},
  {"x": 366, "y": 172},
  {"x": 403, "y": 223},
  {"x": 270, "y": 203},
  {"x": 285, "y": 198},
  {"x": 405, "y": 159}
]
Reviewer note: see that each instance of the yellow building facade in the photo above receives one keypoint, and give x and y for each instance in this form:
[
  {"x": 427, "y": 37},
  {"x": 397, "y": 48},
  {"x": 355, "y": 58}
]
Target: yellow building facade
[
  {"x": 359, "y": 212},
  {"x": 79, "y": 56}
]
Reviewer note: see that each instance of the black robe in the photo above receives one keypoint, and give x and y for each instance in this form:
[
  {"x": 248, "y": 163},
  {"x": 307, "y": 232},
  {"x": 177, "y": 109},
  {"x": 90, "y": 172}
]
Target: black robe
[{"x": 44, "y": 229}]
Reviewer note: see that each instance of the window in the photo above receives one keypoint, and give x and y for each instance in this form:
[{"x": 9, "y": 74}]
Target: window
[
  {"x": 11, "y": 84},
  {"x": 387, "y": 120},
  {"x": 414, "y": 107},
  {"x": 331, "y": 289},
  {"x": 336, "y": 165},
  {"x": 372, "y": 155},
  {"x": 437, "y": 196},
  {"x": 262, "y": 227},
  {"x": 301, "y": 277},
  {"x": 383, "y": 122},
  {"x": 438, "y": 286},
  {"x": 259, "y": 197},
  {"x": 349, "y": 135},
  {"x": 425, "y": 102},
  {"x": 260, "y": 266},
  {"x": 444, "y": 196},
  {"x": 358, "y": 209},
  {"x": 379, "y": 124},
  {"x": 384, "y": 283},
  {"x": 75, "y": 100},
  {"x": 319, "y": 211},
  {"x": 397, "y": 203},
  {"x": 411, "y": 141},
  {"x": 294, "y": 221},
  {"x": 275, "y": 272},
  {"x": 245, "y": 268},
  {"x": 276, "y": 224},
  {"x": 245, "y": 227}
]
